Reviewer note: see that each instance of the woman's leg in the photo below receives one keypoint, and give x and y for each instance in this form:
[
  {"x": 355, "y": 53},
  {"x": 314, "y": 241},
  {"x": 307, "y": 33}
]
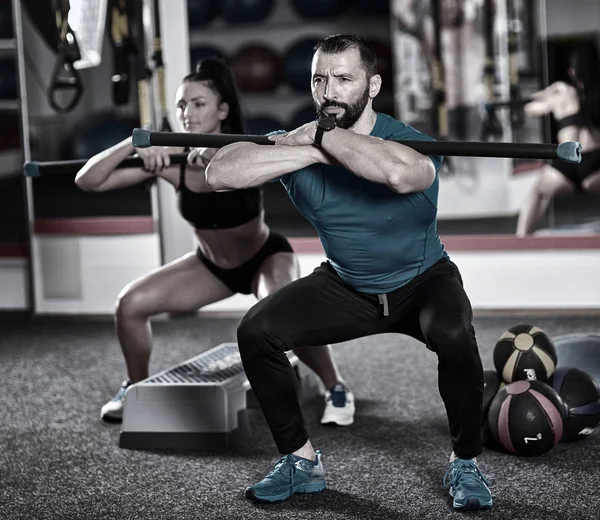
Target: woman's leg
[
  {"x": 592, "y": 183},
  {"x": 275, "y": 272},
  {"x": 183, "y": 285},
  {"x": 551, "y": 183}
]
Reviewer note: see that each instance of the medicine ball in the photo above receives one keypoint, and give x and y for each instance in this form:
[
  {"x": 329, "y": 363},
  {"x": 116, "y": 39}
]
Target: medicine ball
[
  {"x": 314, "y": 9},
  {"x": 203, "y": 52},
  {"x": 257, "y": 68},
  {"x": 525, "y": 352},
  {"x": 526, "y": 418},
  {"x": 297, "y": 63},
  {"x": 579, "y": 350},
  {"x": 246, "y": 11},
  {"x": 582, "y": 399},
  {"x": 96, "y": 134},
  {"x": 202, "y": 12}
]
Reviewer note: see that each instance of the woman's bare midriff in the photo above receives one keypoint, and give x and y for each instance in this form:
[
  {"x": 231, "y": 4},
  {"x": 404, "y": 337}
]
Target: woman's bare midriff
[
  {"x": 232, "y": 247},
  {"x": 588, "y": 138},
  {"x": 226, "y": 248},
  {"x": 566, "y": 103}
]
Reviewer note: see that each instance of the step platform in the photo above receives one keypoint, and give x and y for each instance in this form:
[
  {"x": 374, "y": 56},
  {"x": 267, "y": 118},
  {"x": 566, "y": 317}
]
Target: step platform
[{"x": 199, "y": 404}]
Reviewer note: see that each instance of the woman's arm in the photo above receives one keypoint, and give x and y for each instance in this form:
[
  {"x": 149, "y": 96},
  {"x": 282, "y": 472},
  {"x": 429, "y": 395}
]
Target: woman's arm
[
  {"x": 537, "y": 108},
  {"x": 100, "y": 173},
  {"x": 545, "y": 100}
]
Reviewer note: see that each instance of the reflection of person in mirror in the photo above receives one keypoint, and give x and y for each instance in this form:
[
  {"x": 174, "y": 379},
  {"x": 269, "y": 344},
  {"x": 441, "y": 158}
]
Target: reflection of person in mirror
[
  {"x": 463, "y": 55},
  {"x": 575, "y": 106}
]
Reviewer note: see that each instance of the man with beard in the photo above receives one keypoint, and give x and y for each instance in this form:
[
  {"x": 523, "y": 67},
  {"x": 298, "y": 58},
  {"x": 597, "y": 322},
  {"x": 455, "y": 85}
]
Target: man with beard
[{"x": 373, "y": 203}]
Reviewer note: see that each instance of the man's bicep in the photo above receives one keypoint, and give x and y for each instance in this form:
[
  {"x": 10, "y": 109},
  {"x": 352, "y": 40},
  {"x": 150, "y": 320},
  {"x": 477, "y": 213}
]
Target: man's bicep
[{"x": 410, "y": 134}]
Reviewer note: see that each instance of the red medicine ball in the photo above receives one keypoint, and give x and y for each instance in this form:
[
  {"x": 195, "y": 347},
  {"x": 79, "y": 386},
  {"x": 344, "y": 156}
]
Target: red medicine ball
[
  {"x": 526, "y": 418},
  {"x": 257, "y": 68}
]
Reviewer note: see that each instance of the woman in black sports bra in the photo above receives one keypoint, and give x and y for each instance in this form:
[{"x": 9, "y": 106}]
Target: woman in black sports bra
[
  {"x": 237, "y": 252},
  {"x": 575, "y": 107}
]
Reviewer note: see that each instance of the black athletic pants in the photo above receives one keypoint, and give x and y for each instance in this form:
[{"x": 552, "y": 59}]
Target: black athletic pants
[{"x": 320, "y": 309}]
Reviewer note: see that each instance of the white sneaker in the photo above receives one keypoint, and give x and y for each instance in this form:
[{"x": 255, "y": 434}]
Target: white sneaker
[
  {"x": 113, "y": 410},
  {"x": 339, "y": 406}
]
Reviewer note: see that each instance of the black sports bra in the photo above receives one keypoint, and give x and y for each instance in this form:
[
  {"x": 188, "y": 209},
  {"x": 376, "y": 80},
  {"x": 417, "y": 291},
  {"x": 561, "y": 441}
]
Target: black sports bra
[
  {"x": 572, "y": 120},
  {"x": 218, "y": 210}
]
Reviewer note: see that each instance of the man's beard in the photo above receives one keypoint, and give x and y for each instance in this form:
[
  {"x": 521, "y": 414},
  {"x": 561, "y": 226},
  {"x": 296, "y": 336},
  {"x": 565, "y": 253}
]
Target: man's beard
[{"x": 351, "y": 112}]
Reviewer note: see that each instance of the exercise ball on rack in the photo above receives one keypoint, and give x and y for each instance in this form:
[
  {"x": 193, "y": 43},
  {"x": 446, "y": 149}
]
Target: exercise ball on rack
[
  {"x": 257, "y": 68},
  {"x": 314, "y": 9},
  {"x": 96, "y": 134},
  {"x": 246, "y": 11},
  {"x": 8, "y": 79},
  {"x": 263, "y": 124},
  {"x": 201, "y": 12},
  {"x": 297, "y": 62},
  {"x": 303, "y": 115},
  {"x": 202, "y": 52}
]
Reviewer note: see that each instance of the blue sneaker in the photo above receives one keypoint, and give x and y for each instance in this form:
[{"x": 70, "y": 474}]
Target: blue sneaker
[
  {"x": 468, "y": 487},
  {"x": 291, "y": 474}
]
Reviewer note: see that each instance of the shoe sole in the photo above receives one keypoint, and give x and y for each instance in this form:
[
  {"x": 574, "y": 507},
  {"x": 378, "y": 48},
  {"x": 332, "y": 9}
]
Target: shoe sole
[
  {"x": 338, "y": 422},
  {"x": 110, "y": 419},
  {"x": 472, "y": 504},
  {"x": 314, "y": 487}
]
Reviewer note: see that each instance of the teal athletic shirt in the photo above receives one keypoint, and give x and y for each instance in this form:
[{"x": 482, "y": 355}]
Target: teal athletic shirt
[{"x": 376, "y": 239}]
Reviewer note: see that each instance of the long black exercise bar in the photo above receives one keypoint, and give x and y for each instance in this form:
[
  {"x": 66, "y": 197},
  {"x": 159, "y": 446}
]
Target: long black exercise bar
[
  {"x": 509, "y": 103},
  {"x": 569, "y": 151},
  {"x": 43, "y": 169}
]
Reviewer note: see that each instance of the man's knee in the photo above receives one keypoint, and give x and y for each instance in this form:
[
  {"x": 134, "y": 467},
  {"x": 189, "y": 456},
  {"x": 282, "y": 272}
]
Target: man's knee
[
  {"x": 259, "y": 330},
  {"x": 250, "y": 327},
  {"x": 453, "y": 337}
]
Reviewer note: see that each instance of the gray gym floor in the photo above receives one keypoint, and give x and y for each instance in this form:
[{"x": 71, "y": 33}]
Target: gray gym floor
[{"x": 58, "y": 460}]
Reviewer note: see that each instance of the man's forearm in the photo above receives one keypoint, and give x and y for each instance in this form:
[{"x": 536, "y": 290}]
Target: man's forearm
[
  {"x": 399, "y": 167},
  {"x": 246, "y": 165}
]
